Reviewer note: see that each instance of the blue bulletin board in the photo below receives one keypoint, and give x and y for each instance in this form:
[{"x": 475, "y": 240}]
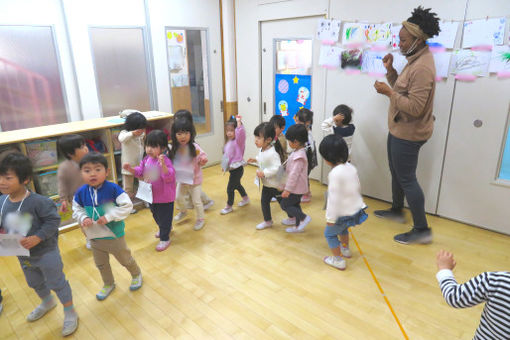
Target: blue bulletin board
[
  {"x": 292, "y": 92},
  {"x": 504, "y": 172}
]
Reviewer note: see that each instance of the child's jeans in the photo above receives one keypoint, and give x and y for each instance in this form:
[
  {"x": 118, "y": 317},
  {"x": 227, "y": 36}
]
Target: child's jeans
[
  {"x": 163, "y": 214},
  {"x": 102, "y": 248},
  {"x": 44, "y": 273},
  {"x": 291, "y": 205},
  {"x": 341, "y": 227},
  {"x": 195, "y": 191}
]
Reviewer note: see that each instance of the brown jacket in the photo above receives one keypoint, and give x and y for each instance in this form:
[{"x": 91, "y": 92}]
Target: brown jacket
[{"x": 410, "y": 112}]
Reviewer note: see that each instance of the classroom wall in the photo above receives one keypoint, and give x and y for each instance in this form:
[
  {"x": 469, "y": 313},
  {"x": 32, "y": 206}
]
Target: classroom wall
[{"x": 370, "y": 108}]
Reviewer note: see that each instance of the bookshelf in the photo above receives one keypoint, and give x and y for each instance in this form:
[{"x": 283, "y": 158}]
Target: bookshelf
[{"x": 103, "y": 129}]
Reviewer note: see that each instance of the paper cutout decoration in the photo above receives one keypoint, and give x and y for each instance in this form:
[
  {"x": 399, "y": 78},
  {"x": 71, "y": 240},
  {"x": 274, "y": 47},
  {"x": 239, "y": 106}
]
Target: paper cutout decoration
[
  {"x": 399, "y": 62},
  {"x": 360, "y": 33},
  {"x": 445, "y": 38},
  {"x": 291, "y": 92},
  {"x": 328, "y": 31},
  {"x": 471, "y": 63},
  {"x": 442, "y": 62},
  {"x": 329, "y": 56},
  {"x": 500, "y": 60},
  {"x": 484, "y": 32},
  {"x": 372, "y": 63},
  {"x": 283, "y": 108},
  {"x": 395, "y": 37},
  {"x": 351, "y": 59},
  {"x": 303, "y": 95},
  {"x": 283, "y": 86}
]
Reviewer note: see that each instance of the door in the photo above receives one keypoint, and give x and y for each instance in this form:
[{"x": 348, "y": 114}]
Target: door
[{"x": 289, "y": 57}]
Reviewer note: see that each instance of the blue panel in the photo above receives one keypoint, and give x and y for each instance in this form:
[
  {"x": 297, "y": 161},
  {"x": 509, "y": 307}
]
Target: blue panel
[
  {"x": 292, "y": 92},
  {"x": 504, "y": 172}
]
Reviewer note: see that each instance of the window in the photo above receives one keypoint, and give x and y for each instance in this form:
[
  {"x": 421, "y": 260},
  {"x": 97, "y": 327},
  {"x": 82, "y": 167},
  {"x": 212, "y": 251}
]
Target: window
[
  {"x": 121, "y": 69},
  {"x": 294, "y": 56},
  {"x": 189, "y": 75},
  {"x": 31, "y": 90},
  {"x": 504, "y": 171}
]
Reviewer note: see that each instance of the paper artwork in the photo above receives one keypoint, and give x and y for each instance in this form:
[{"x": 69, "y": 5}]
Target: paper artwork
[
  {"x": 484, "y": 32},
  {"x": 328, "y": 31},
  {"x": 361, "y": 33},
  {"x": 351, "y": 59},
  {"x": 399, "y": 62},
  {"x": 500, "y": 59},
  {"x": 473, "y": 63},
  {"x": 10, "y": 246},
  {"x": 395, "y": 37},
  {"x": 442, "y": 62},
  {"x": 329, "y": 56},
  {"x": 372, "y": 63},
  {"x": 445, "y": 38}
]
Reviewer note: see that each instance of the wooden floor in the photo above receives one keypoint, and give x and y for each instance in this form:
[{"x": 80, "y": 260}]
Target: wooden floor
[{"x": 231, "y": 281}]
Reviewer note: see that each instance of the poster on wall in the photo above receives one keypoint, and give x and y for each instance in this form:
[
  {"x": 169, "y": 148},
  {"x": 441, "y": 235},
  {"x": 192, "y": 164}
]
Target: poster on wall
[{"x": 292, "y": 92}]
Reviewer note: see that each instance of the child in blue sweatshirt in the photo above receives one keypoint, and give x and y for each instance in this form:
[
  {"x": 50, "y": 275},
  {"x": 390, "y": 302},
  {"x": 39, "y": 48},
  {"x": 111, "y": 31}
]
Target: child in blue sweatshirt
[{"x": 101, "y": 206}]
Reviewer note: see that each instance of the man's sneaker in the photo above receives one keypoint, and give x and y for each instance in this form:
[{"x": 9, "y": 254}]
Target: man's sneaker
[
  {"x": 335, "y": 262},
  {"x": 41, "y": 310},
  {"x": 346, "y": 252},
  {"x": 70, "y": 325},
  {"x": 306, "y": 198},
  {"x": 136, "y": 282},
  {"x": 88, "y": 245},
  {"x": 180, "y": 216},
  {"x": 274, "y": 200},
  {"x": 245, "y": 201},
  {"x": 289, "y": 221},
  {"x": 304, "y": 223},
  {"x": 264, "y": 225},
  {"x": 163, "y": 245},
  {"x": 199, "y": 224},
  {"x": 226, "y": 210},
  {"x": 104, "y": 292},
  {"x": 208, "y": 204},
  {"x": 397, "y": 216},
  {"x": 421, "y": 236}
]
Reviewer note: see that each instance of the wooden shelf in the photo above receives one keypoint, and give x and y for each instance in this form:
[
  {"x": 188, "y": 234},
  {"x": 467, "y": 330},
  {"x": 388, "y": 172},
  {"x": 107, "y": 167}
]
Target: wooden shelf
[{"x": 46, "y": 168}]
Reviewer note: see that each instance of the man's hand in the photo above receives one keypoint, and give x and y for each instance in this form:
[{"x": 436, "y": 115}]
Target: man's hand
[
  {"x": 30, "y": 241},
  {"x": 444, "y": 260}
]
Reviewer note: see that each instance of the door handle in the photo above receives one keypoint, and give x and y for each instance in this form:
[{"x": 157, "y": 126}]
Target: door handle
[{"x": 264, "y": 107}]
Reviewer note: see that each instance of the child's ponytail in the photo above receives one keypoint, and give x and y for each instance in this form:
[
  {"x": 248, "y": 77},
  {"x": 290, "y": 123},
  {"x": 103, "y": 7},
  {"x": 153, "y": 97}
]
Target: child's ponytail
[{"x": 279, "y": 149}]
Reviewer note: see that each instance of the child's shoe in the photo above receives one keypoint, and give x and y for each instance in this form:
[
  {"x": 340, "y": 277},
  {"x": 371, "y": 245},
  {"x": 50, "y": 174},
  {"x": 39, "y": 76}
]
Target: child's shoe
[
  {"x": 226, "y": 210},
  {"x": 346, "y": 252},
  {"x": 274, "y": 199},
  {"x": 163, "y": 245},
  {"x": 289, "y": 221},
  {"x": 304, "y": 223},
  {"x": 136, "y": 282},
  {"x": 156, "y": 235},
  {"x": 70, "y": 322},
  {"x": 104, "y": 292},
  {"x": 244, "y": 202},
  {"x": 208, "y": 204},
  {"x": 88, "y": 245},
  {"x": 180, "y": 216},
  {"x": 264, "y": 225},
  {"x": 335, "y": 261},
  {"x": 306, "y": 198},
  {"x": 42, "y": 309},
  {"x": 199, "y": 224}
]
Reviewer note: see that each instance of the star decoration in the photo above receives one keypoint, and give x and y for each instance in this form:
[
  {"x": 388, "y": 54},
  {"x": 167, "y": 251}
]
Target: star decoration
[{"x": 295, "y": 79}]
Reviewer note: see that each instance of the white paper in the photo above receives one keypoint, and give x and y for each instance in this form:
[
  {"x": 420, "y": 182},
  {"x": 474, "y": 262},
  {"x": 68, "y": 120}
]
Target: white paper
[
  {"x": 395, "y": 37},
  {"x": 98, "y": 231},
  {"x": 372, "y": 62},
  {"x": 328, "y": 30},
  {"x": 442, "y": 62},
  {"x": 144, "y": 191},
  {"x": 330, "y": 56},
  {"x": 184, "y": 175},
  {"x": 353, "y": 33},
  {"x": 360, "y": 33},
  {"x": 469, "y": 62},
  {"x": 225, "y": 162},
  {"x": 257, "y": 181},
  {"x": 399, "y": 61},
  {"x": 484, "y": 32},
  {"x": 500, "y": 59},
  {"x": 445, "y": 38},
  {"x": 10, "y": 246}
]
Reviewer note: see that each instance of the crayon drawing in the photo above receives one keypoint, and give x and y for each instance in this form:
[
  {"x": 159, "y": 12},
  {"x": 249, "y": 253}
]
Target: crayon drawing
[
  {"x": 351, "y": 59},
  {"x": 395, "y": 38},
  {"x": 445, "y": 38},
  {"x": 474, "y": 63},
  {"x": 329, "y": 56},
  {"x": 372, "y": 63},
  {"x": 500, "y": 59},
  {"x": 328, "y": 30},
  {"x": 484, "y": 32}
]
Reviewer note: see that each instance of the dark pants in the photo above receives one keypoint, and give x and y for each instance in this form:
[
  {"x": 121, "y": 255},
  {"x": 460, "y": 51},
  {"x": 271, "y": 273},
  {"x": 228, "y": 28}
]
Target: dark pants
[
  {"x": 403, "y": 160},
  {"x": 163, "y": 214},
  {"x": 234, "y": 183},
  {"x": 1, "y": 298},
  {"x": 265, "y": 201},
  {"x": 292, "y": 206}
]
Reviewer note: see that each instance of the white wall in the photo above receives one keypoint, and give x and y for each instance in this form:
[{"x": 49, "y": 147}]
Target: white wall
[{"x": 229, "y": 50}]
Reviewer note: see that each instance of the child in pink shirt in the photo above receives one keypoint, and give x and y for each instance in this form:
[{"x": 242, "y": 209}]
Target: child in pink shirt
[
  {"x": 157, "y": 169},
  {"x": 297, "y": 180}
]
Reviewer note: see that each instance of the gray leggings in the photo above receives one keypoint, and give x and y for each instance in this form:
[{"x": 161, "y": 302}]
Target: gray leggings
[
  {"x": 44, "y": 273},
  {"x": 403, "y": 160}
]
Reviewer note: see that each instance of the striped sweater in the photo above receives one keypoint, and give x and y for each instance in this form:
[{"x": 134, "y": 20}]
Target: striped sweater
[{"x": 493, "y": 288}]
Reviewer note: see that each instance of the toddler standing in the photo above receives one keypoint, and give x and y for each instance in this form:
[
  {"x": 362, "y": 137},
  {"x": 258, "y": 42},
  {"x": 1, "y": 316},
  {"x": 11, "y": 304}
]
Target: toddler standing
[
  {"x": 340, "y": 124},
  {"x": 305, "y": 117}
]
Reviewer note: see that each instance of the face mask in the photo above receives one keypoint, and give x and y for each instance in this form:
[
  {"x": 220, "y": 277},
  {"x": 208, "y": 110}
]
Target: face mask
[{"x": 411, "y": 49}]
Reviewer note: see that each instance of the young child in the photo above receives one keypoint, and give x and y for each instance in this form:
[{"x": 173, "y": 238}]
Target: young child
[
  {"x": 234, "y": 151},
  {"x": 345, "y": 207},
  {"x": 493, "y": 288},
  {"x": 103, "y": 203},
  {"x": 132, "y": 141},
  {"x": 36, "y": 217},
  {"x": 157, "y": 169},
  {"x": 269, "y": 159},
  {"x": 279, "y": 125},
  {"x": 340, "y": 124},
  {"x": 188, "y": 160},
  {"x": 305, "y": 117},
  {"x": 69, "y": 179},
  {"x": 206, "y": 201},
  {"x": 297, "y": 180}
]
